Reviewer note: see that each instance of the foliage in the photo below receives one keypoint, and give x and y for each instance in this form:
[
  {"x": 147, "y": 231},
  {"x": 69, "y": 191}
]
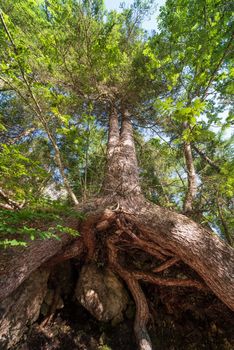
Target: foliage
[
  {"x": 64, "y": 62},
  {"x": 18, "y": 227},
  {"x": 18, "y": 173}
]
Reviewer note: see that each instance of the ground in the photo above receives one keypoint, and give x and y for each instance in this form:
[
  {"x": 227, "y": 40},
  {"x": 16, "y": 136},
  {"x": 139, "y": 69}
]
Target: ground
[{"x": 181, "y": 319}]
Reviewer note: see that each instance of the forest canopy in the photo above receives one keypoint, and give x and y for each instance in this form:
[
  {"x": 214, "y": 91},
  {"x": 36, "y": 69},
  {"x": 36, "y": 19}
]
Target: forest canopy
[{"x": 63, "y": 62}]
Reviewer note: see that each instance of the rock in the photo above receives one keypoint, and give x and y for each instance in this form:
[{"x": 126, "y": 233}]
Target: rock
[
  {"x": 22, "y": 308},
  {"x": 101, "y": 293}
]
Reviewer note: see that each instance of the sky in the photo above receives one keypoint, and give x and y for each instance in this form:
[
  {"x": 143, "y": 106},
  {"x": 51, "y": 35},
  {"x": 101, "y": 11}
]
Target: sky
[{"x": 150, "y": 23}]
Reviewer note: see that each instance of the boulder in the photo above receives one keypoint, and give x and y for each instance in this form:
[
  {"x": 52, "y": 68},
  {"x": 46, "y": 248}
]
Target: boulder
[{"x": 101, "y": 292}]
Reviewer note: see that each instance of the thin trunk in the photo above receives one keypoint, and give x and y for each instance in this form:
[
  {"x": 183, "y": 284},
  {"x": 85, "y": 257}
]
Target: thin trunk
[
  {"x": 58, "y": 158},
  {"x": 191, "y": 177},
  {"x": 63, "y": 175},
  {"x": 227, "y": 234},
  {"x": 39, "y": 113}
]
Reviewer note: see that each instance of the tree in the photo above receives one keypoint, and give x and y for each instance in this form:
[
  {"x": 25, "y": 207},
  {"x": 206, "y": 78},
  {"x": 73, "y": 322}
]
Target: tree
[
  {"x": 192, "y": 54},
  {"x": 98, "y": 73}
]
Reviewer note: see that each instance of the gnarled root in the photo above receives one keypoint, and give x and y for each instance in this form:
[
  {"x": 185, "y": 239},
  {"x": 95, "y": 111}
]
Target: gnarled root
[
  {"x": 132, "y": 277},
  {"x": 142, "y": 310},
  {"x": 142, "y": 313}
]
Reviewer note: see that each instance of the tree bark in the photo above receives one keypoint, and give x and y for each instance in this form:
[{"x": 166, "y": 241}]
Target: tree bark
[
  {"x": 22, "y": 308},
  {"x": 122, "y": 215},
  {"x": 16, "y": 264},
  {"x": 111, "y": 183},
  {"x": 122, "y": 173},
  {"x": 130, "y": 171},
  {"x": 199, "y": 248}
]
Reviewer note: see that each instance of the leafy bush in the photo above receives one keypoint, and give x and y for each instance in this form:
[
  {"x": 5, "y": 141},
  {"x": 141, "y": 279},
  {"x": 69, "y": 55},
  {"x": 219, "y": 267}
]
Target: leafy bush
[{"x": 39, "y": 222}]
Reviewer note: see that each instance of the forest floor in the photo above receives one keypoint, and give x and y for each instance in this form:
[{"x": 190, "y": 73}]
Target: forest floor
[{"x": 181, "y": 319}]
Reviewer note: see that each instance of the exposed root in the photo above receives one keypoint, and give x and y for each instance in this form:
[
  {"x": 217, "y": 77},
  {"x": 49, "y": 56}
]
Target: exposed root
[
  {"x": 89, "y": 228},
  {"x": 152, "y": 249},
  {"x": 132, "y": 278},
  {"x": 110, "y": 231},
  {"x": 172, "y": 282},
  {"x": 142, "y": 310},
  {"x": 166, "y": 265},
  {"x": 106, "y": 220},
  {"x": 89, "y": 239},
  {"x": 149, "y": 248}
]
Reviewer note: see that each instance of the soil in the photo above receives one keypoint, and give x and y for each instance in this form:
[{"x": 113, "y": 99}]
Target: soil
[
  {"x": 181, "y": 319},
  {"x": 74, "y": 328}
]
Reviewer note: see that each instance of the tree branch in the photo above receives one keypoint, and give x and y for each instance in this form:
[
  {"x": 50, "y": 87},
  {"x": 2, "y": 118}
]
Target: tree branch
[
  {"x": 11, "y": 204},
  {"x": 39, "y": 113},
  {"x": 207, "y": 159}
]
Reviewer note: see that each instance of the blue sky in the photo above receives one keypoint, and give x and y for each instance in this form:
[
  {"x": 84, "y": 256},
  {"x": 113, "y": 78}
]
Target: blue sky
[{"x": 150, "y": 23}]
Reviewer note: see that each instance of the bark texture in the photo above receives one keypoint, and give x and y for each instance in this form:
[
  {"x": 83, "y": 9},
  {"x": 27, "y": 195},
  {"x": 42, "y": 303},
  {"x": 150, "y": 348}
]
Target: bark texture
[
  {"x": 122, "y": 175},
  {"x": 201, "y": 249},
  {"x": 22, "y": 308},
  {"x": 120, "y": 223},
  {"x": 16, "y": 264}
]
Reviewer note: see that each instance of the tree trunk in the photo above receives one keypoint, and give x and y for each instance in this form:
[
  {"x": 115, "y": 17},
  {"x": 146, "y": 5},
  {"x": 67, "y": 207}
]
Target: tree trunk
[
  {"x": 121, "y": 221},
  {"x": 191, "y": 176},
  {"x": 122, "y": 178}
]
